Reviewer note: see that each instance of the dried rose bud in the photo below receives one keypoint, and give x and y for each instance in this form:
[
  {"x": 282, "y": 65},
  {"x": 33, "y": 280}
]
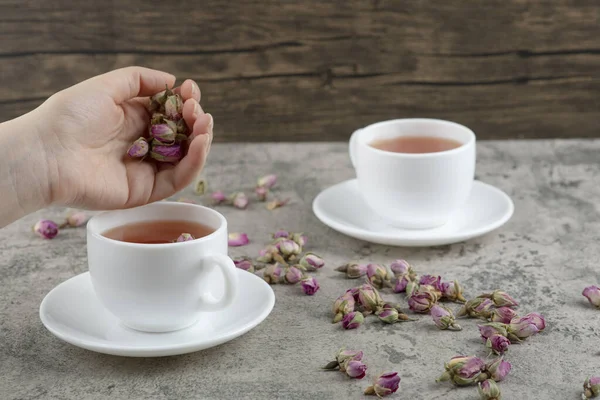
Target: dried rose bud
[
  {"x": 369, "y": 298},
  {"x": 352, "y": 320},
  {"x": 46, "y": 229},
  {"x": 503, "y": 314},
  {"x": 377, "y": 275},
  {"x": 421, "y": 301},
  {"x": 500, "y": 298},
  {"x": 288, "y": 248},
  {"x": 184, "y": 237},
  {"x": 592, "y": 293},
  {"x": 163, "y": 133},
  {"x": 400, "y": 284},
  {"x": 343, "y": 305},
  {"x": 400, "y": 267},
  {"x": 244, "y": 263},
  {"x": 239, "y": 200},
  {"x": 266, "y": 254},
  {"x": 182, "y": 128},
  {"x": 237, "y": 239},
  {"x": 493, "y": 328},
  {"x": 166, "y": 153},
  {"x": 411, "y": 288},
  {"x": 477, "y": 308},
  {"x": 452, "y": 291},
  {"x": 310, "y": 286},
  {"x": 388, "y": 315},
  {"x": 293, "y": 275},
  {"x": 353, "y": 270},
  {"x": 281, "y": 234},
  {"x": 158, "y": 118},
  {"x": 498, "y": 369},
  {"x": 271, "y": 205},
  {"x": 261, "y": 193},
  {"x": 311, "y": 262},
  {"x": 218, "y": 197},
  {"x": 174, "y": 107},
  {"x": 497, "y": 343},
  {"x": 139, "y": 148},
  {"x": 523, "y": 327},
  {"x": 463, "y": 370},
  {"x": 384, "y": 385},
  {"x": 443, "y": 318},
  {"x": 267, "y": 181},
  {"x": 161, "y": 97},
  {"x": 76, "y": 219},
  {"x": 591, "y": 388},
  {"x": 200, "y": 187},
  {"x": 272, "y": 274},
  {"x": 431, "y": 280},
  {"x": 342, "y": 358},
  {"x": 489, "y": 390},
  {"x": 299, "y": 238},
  {"x": 356, "y": 369}
]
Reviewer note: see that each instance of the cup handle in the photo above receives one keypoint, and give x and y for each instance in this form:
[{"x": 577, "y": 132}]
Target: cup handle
[
  {"x": 207, "y": 300},
  {"x": 352, "y": 147}
]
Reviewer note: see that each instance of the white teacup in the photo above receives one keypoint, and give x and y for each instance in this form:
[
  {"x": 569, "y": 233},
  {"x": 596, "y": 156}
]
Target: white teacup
[
  {"x": 161, "y": 287},
  {"x": 414, "y": 191}
]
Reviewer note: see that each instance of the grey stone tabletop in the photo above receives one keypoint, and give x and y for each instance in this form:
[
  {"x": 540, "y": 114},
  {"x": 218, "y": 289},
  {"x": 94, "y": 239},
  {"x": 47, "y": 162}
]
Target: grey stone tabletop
[{"x": 544, "y": 256}]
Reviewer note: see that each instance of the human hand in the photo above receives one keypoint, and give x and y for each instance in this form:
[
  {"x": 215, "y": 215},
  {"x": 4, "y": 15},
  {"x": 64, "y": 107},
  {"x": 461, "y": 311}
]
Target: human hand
[{"x": 88, "y": 128}]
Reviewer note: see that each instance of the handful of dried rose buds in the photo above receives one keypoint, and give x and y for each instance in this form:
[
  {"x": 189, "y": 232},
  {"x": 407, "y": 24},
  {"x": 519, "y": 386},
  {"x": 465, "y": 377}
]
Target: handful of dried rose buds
[{"x": 167, "y": 133}]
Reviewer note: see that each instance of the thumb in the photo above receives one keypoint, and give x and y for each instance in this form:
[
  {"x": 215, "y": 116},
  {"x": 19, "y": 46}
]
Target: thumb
[{"x": 126, "y": 83}]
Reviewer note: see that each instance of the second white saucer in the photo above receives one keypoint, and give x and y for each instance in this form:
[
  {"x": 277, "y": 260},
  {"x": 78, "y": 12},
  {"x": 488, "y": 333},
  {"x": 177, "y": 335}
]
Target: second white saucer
[
  {"x": 341, "y": 207},
  {"x": 72, "y": 312}
]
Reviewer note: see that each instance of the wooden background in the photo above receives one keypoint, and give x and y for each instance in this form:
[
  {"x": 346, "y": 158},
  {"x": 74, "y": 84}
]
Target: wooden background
[{"x": 319, "y": 69}]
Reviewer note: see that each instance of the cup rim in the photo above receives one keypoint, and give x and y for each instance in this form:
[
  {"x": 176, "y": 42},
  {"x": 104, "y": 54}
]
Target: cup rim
[
  {"x": 97, "y": 235},
  {"x": 458, "y": 149}
]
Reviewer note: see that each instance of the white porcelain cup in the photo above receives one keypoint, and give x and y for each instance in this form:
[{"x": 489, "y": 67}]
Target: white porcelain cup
[
  {"x": 414, "y": 191},
  {"x": 161, "y": 287}
]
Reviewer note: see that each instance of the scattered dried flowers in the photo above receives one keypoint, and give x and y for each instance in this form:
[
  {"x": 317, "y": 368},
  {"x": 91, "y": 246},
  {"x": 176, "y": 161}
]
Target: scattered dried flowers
[
  {"x": 167, "y": 132},
  {"x": 241, "y": 201},
  {"x": 592, "y": 293},
  {"x": 384, "y": 385},
  {"x": 48, "y": 229},
  {"x": 500, "y": 299},
  {"x": 591, "y": 388},
  {"x": 470, "y": 370}
]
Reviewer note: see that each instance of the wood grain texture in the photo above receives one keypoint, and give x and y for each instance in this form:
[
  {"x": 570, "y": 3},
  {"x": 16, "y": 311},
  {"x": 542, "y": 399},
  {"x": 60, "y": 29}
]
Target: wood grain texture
[{"x": 290, "y": 70}]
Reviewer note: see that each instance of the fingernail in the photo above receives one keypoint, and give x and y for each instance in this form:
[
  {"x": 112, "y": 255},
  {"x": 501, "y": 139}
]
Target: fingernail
[
  {"x": 197, "y": 109},
  {"x": 211, "y": 123},
  {"x": 195, "y": 89}
]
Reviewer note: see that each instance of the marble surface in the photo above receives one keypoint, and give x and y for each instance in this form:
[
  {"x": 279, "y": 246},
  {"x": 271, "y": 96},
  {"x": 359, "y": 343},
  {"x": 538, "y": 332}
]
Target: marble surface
[{"x": 544, "y": 256}]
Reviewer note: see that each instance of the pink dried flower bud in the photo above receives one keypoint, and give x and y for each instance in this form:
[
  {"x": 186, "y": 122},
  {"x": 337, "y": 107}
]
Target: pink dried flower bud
[
  {"x": 237, "y": 239},
  {"x": 288, "y": 248},
  {"x": 174, "y": 107},
  {"x": 452, "y": 291},
  {"x": 400, "y": 284},
  {"x": 524, "y": 327},
  {"x": 244, "y": 263},
  {"x": 266, "y": 254},
  {"x": 497, "y": 343},
  {"x": 261, "y": 193},
  {"x": 493, "y": 328},
  {"x": 281, "y": 234},
  {"x": 477, "y": 308},
  {"x": 389, "y": 315},
  {"x": 46, "y": 229},
  {"x": 184, "y": 237},
  {"x": 411, "y": 288},
  {"x": 272, "y": 274},
  {"x": 163, "y": 133},
  {"x": 498, "y": 369},
  {"x": 503, "y": 314},
  {"x": 369, "y": 298},
  {"x": 218, "y": 197},
  {"x": 76, "y": 219},
  {"x": 422, "y": 300},
  {"x": 139, "y": 148},
  {"x": 377, "y": 275},
  {"x": 591, "y": 388},
  {"x": 592, "y": 293},
  {"x": 352, "y": 320},
  {"x": 271, "y": 205},
  {"x": 384, "y": 385},
  {"x": 354, "y": 271},
  {"x": 489, "y": 390},
  {"x": 443, "y": 318},
  {"x": 267, "y": 181},
  {"x": 463, "y": 370},
  {"x": 311, "y": 262},
  {"x": 310, "y": 286},
  {"x": 431, "y": 280},
  {"x": 299, "y": 238},
  {"x": 500, "y": 299},
  {"x": 293, "y": 275},
  {"x": 356, "y": 369},
  {"x": 342, "y": 358},
  {"x": 343, "y": 305},
  {"x": 239, "y": 200},
  {"x": 400, "y": 267},
  {"x": 162, "y": 153}
]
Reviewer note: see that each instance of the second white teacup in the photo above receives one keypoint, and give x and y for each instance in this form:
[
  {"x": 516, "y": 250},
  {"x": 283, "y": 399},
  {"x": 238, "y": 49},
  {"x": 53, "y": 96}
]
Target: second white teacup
[{"x": 414, "y": 190}]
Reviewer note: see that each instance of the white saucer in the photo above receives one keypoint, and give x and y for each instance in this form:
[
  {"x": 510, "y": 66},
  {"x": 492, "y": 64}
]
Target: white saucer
[
  {"x": 341, "y": 207},
  {"x": 72, "y": 312}
]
